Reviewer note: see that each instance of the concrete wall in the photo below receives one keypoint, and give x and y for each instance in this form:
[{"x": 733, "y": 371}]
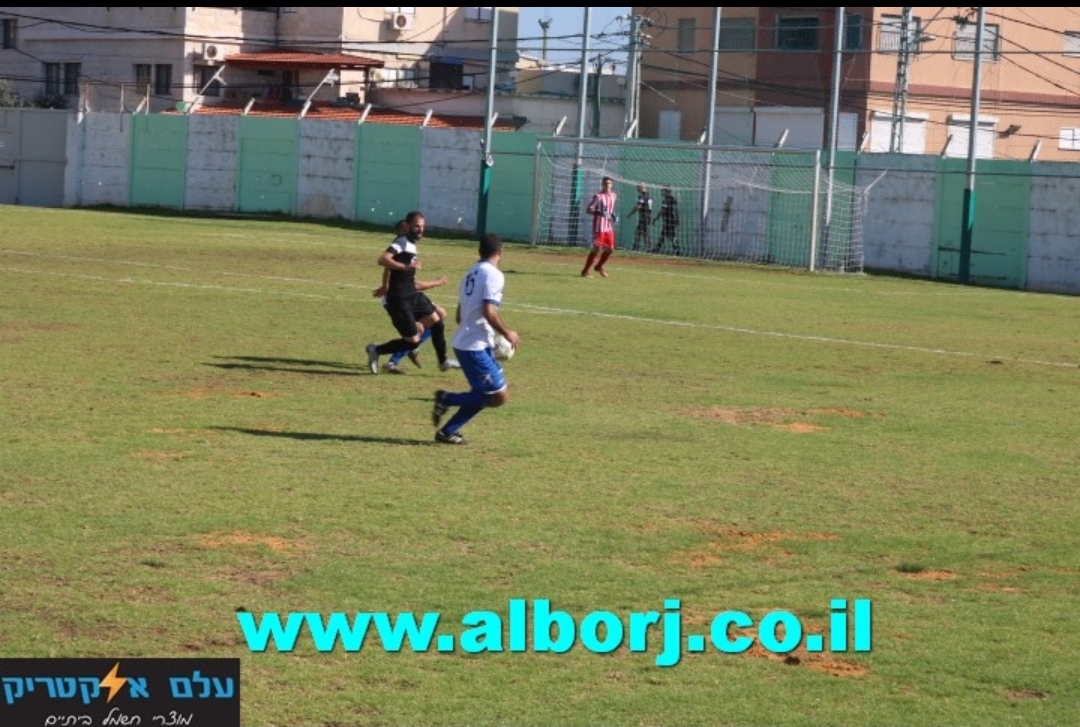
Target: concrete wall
[
  {"x": 377, "y": 173},
  {"x": 899, "y": 230},
  {"x": 450, "y": 177},
  {"x": 33, "y": 157},
  {"x": 1053, "y": 262},
  {"x": 101, "y": 170},
  {"x": 325, "y": 187},
  {"x": 211, "y": 163}
]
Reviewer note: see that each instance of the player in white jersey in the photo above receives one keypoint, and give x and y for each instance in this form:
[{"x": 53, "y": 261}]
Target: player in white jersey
[{"x": 478, "y": 319}]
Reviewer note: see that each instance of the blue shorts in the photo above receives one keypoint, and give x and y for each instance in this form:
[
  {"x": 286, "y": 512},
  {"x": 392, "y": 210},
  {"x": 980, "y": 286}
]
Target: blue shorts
[{"x": 482, "y": 370}]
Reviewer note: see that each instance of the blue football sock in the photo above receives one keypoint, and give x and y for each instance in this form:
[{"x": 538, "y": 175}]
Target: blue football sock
[
  {"x": 396, "y": 358},
  {"x": 462, "y": 417},
  {"x": 470, "y": 399}
]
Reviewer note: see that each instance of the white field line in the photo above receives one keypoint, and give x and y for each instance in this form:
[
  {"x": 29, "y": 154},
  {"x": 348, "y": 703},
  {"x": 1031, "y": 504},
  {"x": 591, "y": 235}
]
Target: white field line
[
  {"x": 540, "y": 309},
  {"x": 178, "y": 268},
  {"x": 793, "y": 336}
]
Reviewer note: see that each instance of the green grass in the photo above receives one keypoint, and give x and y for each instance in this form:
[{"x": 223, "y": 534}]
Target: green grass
[{"x": 187, "y": 429}]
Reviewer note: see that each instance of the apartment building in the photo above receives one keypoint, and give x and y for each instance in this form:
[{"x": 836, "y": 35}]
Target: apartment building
[
  {"x": 906, "y": 85},
  {"x": 127, "y": 58}
]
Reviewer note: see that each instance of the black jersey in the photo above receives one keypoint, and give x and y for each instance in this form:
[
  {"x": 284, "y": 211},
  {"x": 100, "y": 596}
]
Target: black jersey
[{"x": 402, "y": 284}]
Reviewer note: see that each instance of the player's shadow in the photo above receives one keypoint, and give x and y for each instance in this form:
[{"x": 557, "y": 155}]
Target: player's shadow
[
  {"x": 287, "y": 365},
  {"x": 320, "y": 437}
]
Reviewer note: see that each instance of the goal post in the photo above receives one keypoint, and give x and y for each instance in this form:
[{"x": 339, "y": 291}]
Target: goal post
[{"x": 766, "y": 206}]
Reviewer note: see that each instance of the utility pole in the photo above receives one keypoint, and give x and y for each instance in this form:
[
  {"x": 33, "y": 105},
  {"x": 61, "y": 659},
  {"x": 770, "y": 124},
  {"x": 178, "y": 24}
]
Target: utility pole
[
  {"x": 968, "y": 225},
  {"x": 632, "y": 118},
  {"x": 583, "y": 100},
  {"x": 834, "y": 130},
  {"x": 545, "y": 24},
  {"x": 631, "y": 80},
  {"x": 488, "y": 161},
  {"x": 596, "y": 96},
  {"x": 900, "y": 91},
  {"x": 710, "y": 127}
]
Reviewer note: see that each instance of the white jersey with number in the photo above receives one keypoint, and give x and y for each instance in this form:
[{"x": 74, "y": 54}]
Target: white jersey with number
[{"x": 482, "y": 284}]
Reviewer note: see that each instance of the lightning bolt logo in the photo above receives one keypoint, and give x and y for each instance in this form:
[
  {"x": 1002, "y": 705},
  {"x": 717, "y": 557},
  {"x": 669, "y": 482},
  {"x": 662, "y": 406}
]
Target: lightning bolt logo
[{"x": 112, "y": 682}]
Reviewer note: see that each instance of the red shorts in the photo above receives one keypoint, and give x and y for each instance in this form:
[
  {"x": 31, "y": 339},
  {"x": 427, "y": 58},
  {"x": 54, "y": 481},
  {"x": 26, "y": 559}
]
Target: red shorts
[{"x": 604, "y": 239}]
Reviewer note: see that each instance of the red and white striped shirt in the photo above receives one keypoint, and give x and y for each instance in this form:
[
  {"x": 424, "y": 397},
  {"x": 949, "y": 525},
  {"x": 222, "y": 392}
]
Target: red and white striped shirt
[{"x": 602, "y": 208}]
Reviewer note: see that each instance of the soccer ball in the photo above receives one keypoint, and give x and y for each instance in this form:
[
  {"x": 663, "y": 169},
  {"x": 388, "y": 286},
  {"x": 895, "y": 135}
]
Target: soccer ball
[{"x": 504, "y": 351}]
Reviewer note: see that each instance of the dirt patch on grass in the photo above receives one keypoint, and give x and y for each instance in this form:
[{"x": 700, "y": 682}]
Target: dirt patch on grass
[
  {"x": 789, "y": 420},
  {"x": 836, "y": 667},
  {"x": 731, "y": 539},
  {"x": 203, "y": 393},
  {"x": 849, "y": 413},
  {"x": 800, "y": 427},
  {"x": 242, "y": 539},
  {"x": 1026, "y": 694},
  {"x": 929, "y": 575},
  {"x": 696, "y": 558},
  {"x": 1000, "y": 588},
  {"x": 994, "y": 578},
  {"x": 1004, "y": 572},
  {"x": 160, "y": 456},
  {"x": 800, "y": 657},
  {"x": 161, "y": 430},
  {"x": 260, "y": 577}
]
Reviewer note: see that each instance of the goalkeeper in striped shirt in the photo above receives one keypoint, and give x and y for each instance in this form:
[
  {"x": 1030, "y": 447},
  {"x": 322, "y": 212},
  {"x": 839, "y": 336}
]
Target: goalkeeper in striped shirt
[{"x": 602, "y": 208}]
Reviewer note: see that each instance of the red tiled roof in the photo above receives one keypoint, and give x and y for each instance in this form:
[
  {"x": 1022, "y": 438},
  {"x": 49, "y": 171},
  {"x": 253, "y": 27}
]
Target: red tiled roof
[
  {"x": 298, "y": 60},
  {"x": 332, "y": 112}
]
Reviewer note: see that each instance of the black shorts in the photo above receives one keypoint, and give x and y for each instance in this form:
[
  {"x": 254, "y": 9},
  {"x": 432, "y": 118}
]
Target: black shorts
[{"x": 404, "y": 312}]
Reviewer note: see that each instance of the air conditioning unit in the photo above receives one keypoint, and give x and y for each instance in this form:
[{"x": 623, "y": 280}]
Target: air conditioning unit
[
  {"x": 401, "y": 21},
  {"x": 211, "y": 52}
]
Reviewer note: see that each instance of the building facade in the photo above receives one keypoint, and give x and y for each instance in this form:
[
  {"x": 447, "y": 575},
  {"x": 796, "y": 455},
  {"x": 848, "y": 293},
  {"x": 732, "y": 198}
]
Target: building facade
[
  {"x": 156, "y": 58},
  {"x": 906, "y": 85}
]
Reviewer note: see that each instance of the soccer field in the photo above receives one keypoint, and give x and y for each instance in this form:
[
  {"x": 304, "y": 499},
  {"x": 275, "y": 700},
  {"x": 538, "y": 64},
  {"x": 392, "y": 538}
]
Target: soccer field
[{"x": 188, "y": 431}]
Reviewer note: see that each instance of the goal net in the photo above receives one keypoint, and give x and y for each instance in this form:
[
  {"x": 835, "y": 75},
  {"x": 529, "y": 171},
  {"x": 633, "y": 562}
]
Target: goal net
[{"x": 764, "y": 206}]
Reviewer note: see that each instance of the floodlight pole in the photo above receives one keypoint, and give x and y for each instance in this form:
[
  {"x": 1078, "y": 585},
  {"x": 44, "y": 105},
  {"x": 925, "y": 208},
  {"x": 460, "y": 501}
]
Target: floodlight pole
[
  {"x": 834, "y": 128},
  {"x": 964, "y": 273},
  {"x": 575, "y": 180},
  {"x": 489, "y": 121},
  {"x": 710, "y": 127}
]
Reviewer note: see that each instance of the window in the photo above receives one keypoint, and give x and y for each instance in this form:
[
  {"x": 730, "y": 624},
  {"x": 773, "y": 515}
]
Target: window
[
  {"x": 670, "y": 125},
  {"x": 407, "y": 11},
  {"x": 796, "y": 33},
  {"x": 958, "y": 132},
  {"x": 446, "y": 75},
  {"x": 1070, "y": 139},
  {"x": 72, "y": 71},
  {"x": 398, "y": 77},
  {"x": 7, "y": 33},
  {"x": 737, "y": 34},
  {"x": 142, "y": 77},
  {"x": 889, "y": 36},
  {"x": 685, "y": 40},
  {"x": 964, "y": 44},
  {"x": 163, "y": 79},
  {"x": 206, "y": 73},
  {"x": 62, "y": 78},
  {"x": 478, "y": 15},
  {"x": 1072, "y": 43},
  {"x": 852, "y": 32},
  {"x": 910, "y": 136},
  {"x": 54, "y": 74}
]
